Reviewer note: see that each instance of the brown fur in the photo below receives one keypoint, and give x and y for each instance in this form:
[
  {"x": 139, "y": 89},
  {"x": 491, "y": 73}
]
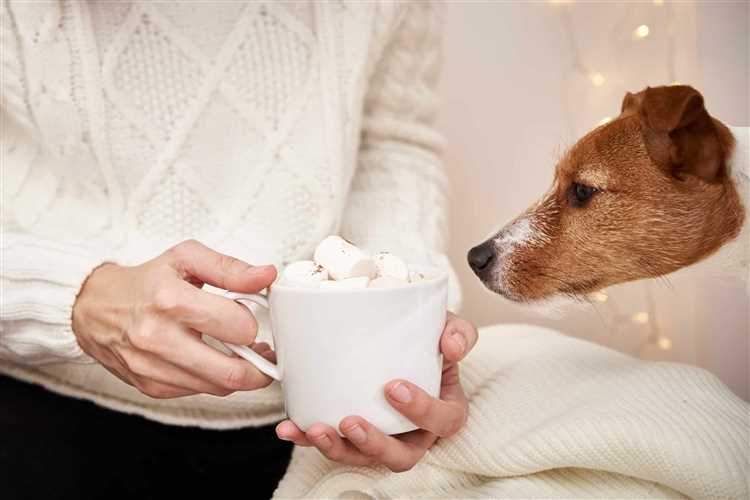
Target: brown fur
[{"x": 665, "y": 201}]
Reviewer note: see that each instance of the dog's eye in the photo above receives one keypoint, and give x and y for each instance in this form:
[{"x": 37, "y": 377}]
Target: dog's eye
[{"x": 580, "y": 193}]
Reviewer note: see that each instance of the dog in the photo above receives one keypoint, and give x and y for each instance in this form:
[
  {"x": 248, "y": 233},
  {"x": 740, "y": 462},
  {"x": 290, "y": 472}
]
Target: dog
[{"x": 661, "y": 187}]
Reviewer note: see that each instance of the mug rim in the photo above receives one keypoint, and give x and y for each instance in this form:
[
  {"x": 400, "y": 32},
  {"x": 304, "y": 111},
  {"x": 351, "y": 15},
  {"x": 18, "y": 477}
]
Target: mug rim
[{"x": 440, "y": 278}]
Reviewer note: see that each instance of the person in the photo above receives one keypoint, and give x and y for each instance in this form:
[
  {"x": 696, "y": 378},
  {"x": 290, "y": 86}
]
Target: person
[{"x": 151, "y": 152}]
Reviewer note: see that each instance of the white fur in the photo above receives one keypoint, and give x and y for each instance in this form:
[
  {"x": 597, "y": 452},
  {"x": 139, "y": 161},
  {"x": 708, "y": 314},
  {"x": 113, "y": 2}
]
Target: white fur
[
  {"x": 518, "y": 234},
  {"x": 524, "y": 231},
  {"x": 734, "y": 257}
]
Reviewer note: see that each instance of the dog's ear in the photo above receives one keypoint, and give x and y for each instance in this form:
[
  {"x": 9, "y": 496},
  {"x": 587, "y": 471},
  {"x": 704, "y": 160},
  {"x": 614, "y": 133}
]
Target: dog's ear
[
  {"x": 631, "y": 103},
  {"x": 680, "y": 135}
]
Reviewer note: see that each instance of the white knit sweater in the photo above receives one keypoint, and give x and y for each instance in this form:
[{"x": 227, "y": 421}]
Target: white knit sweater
[
  {"x": 256, "y": 128},
  {"x": 556, "y": 417}
]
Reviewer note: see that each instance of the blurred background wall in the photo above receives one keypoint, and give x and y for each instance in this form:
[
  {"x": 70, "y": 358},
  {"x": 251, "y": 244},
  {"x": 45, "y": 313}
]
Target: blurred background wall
[{"x": 521, "y": 81}]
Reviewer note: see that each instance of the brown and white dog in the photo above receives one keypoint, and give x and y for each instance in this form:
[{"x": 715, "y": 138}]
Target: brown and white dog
[{"x": 661, "y": 187}]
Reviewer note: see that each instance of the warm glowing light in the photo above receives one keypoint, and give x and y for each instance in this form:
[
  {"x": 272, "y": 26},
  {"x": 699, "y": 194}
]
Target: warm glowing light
[
  {"x": 640, "y": 317},
  {"x": 641, "y": 31},
  {"x": 599, "y": 296},
  {"x": 597, "y": 79},
  {"x": 604, "y": 120},
  {"x": 658, "y": 2},
  {"x": 664, "y": 343}
]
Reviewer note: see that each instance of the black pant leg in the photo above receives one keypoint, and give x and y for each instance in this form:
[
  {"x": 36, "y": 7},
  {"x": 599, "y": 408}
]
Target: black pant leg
[{"x": 54, "y": 447}]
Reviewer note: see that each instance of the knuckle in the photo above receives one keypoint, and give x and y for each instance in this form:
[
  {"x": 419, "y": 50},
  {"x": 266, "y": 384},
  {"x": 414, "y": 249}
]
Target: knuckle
[
  {"x": 235, "y": 378},
  {"x": 148, "y": 388},
  {"x": 454, "y": 425},
  {"x": 249, "y": 328},
  {"x": 186, "y": 246},
  {"x": 135, "y": 364},
  {"x": 230, "y": 266},
  {"x": 182, "y": 251},
  {"x": 375, "y": 451},
  {"x": 226, "y": 263},
  {"x": 336, "y": 454},
  {"x": 401, "y": 467},
  {"x": 165, "y": 300},
  {"x": 451, "y": 376},
  {"x": 421, "y": 409},
  {"x": 144, "y": 337}
]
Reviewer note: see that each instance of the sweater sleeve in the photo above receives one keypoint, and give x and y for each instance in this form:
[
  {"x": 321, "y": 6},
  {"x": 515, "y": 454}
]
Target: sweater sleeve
[
  {"x": 39, "y": 276},
  {"x": 397, "y": 199}
]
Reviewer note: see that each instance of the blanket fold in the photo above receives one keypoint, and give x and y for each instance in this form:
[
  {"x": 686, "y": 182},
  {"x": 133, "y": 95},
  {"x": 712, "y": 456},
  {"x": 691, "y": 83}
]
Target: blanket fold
[{"x": 553, "y": 416}]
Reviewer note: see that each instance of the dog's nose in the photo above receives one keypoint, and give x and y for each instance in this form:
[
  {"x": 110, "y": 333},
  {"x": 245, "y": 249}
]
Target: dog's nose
[{"x": 480, "y": 256}]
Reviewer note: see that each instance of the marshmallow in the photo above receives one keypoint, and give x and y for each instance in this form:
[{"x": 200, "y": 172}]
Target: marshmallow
[
  {"x": 343, "y": 260},
  {"x": 304, "y": 273},
  {"x": 391, "y": 266},
  {"x": 358, "y": 282},
  {"x": 386, "y": 282}
]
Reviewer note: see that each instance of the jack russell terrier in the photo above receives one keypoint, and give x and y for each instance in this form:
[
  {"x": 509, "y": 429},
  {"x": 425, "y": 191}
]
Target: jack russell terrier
[{"x": 661, "y": 187}]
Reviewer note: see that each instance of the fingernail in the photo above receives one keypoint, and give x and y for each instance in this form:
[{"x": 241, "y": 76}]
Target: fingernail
[
  {"x": 284, "y": 438},
  {"x": 459, "y": 340},
  {"x": 260, "y": 269},
  {"x": 356, "y": 434},
  {"x": 323, "y": 440},
  {"x": 400, "y": 393}
]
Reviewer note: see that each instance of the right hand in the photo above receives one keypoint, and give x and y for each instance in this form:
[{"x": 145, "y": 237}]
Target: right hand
[{"x": 144, "y": 323}]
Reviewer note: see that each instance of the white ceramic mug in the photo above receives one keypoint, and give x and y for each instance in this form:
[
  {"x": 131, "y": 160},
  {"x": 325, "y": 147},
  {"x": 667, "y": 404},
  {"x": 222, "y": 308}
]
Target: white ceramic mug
[{"x": 337, "y": 348}]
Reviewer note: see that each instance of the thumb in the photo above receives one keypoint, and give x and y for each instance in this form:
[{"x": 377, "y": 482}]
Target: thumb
[{"x": 193, "y": 259}]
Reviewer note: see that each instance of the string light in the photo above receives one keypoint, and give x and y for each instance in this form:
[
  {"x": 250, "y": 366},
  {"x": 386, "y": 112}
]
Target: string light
[
  {"x": 641, "y": 32},
  {"x": 664, "y": 343},
  {"x": 640, "y": 318},
  {"x": 600, "y": 296},
  {"x": 597, "y": 79}
]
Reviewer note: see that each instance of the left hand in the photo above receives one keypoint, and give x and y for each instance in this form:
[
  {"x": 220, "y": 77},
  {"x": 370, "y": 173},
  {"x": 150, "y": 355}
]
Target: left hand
[{"x": 436, "y": 418}]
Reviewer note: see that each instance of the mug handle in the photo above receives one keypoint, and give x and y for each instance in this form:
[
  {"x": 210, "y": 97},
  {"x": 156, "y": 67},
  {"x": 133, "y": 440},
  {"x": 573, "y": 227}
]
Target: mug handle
[{"x": 245, "y": 352}]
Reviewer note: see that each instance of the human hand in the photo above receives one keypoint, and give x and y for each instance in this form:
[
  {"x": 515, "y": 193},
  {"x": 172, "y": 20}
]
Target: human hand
[
  {"x": 436, "y": 417},
  {"x": 144, "y": 323}
]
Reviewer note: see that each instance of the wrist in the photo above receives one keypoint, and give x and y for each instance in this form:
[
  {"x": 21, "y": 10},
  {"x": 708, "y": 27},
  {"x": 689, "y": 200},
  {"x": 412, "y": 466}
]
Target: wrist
[{"x": 87, "y": 295}]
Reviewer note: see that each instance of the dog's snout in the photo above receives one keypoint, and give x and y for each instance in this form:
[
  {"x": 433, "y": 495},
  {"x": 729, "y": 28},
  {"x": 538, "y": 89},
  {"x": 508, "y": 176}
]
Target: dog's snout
[{"x": 481, "y": 255}]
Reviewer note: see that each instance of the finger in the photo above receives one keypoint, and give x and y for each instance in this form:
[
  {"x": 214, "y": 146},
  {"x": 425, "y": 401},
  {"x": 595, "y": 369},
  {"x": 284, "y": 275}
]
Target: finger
[
  {"x": 148, "y": 366},
  {"x": 288, "y": 431},
  {"x": 450, "y": 385},
  {"x": 116, "y": 366},
  {"x": 193, "y": 259},
  {"x": 158, "y": 390},
  {"x": 420, "y": 438},
  {"x": 186, "y": 350},
  {"x": 214, "y": 315},
  {"x": 440, "y": 417},
  {"x": 459, "y": 337},
  {"x": 264, "y": 350},
  {"x": 395, "y": 454},
  {"x": 330, "y": 444}
]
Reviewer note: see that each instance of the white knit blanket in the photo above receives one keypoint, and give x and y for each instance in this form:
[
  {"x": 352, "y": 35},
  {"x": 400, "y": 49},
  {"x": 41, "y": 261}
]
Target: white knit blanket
[{"x": 551, "y": 416}]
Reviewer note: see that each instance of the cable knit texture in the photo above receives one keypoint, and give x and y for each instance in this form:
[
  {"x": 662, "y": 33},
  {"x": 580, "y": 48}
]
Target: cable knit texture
[
  {"x": 257, "y": 128},
  {"x": 555, "y": 417}
]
